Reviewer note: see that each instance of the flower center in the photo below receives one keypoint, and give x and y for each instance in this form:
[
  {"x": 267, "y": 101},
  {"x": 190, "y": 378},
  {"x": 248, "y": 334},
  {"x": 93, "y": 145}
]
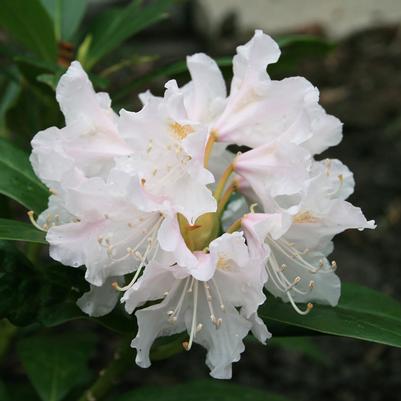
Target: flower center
[
  {"x": 198, "y": 236},
  {"x": 180, "y": 131}
]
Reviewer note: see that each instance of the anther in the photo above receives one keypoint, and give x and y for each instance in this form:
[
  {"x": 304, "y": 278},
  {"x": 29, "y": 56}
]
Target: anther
[{"x": 333, "y": 265}]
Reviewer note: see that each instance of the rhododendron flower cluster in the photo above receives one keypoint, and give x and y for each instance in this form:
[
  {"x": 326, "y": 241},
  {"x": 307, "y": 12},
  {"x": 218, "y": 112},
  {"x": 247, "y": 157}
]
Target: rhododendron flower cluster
[{"x": 144, "y": 201}]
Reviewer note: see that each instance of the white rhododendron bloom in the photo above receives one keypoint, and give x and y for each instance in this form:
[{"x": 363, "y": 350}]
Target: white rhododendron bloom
[{"x": 153, "y": 205}]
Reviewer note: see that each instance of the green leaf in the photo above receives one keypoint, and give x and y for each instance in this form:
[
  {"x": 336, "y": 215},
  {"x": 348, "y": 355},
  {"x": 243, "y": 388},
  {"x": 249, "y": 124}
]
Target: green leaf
[
  {"x": 66, "y": 15},
  {"x": 296, "y": 49},
  {"x": 171, "y": 70},
  {"x": 17, "y": 179},
  {"x": 112, "y": 27},
  {"x": 13, "y": 230},
  {"x": 303, "y": 345},
  {"x": 362, "y": 313},
  {"x": 205, "y": 390},
  {"x": 4, "y": 396},
  {"x": 56, "y": 365},
  {"x": 30, "y": 24},
  {"x": 35, "y": 294}
]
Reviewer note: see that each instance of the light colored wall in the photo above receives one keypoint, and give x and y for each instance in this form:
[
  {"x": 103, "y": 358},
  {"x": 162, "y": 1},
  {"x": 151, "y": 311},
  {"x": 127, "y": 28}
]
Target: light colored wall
[{"x": 338, "y": 17}]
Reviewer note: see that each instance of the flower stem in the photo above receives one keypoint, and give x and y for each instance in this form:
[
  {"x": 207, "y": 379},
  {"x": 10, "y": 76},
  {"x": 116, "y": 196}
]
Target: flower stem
[
  {"x": 222, "y": 182},
  {"x": 208, "y": 149},
  {"x": 122, "y": 359},
  {"x": 225, "y": 198},
  {"x": 234, "y": 227}
]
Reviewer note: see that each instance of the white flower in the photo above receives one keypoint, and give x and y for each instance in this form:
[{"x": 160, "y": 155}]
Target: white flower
[
  {"x": 276, "y": 172},
  {"x": 110, "y": 227},
  {"x": 89, "y": 141},
  {"x": 258, "y": 110},
  {"x": 169, "y": 153},
  {"x": 203, "y": 302},
  {"x": 299, "y": 244},
  {"x": 144, "y": 201}
]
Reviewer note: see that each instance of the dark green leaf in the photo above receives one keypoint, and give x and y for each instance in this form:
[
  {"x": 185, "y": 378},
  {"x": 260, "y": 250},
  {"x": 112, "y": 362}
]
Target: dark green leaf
[
  {"x": 19, "y": 285},
  {"x": 18, "y": 181},
  {"x": 30, "y": 24},
  {"x": 13, "y": 230},
  {"x": 112, "y": 27},
  {"x": 66, "y": 15},
  {"x": 168, "y": 71},
  {"x": 4, "y": 396},
  {"x": 296, "y": 49},
  {"x": 55, "y": 365},
  {"x": 303, "y": 345},
  {"x": 205, "y": 390},
  {"x": 362, "y": 313},
  {"x": 30, "y": 294}
]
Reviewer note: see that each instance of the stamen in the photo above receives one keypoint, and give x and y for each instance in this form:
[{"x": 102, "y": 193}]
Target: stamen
[
  {"x": 132, "y": 282},
  {"x": 172, "y": 315},
  {"x": 215, "y": 321},
  {"x": 309, "y": 306},
  {"x": 293, "y": 284},
  {"x": 252, "y": 207},
  {"x": 34, "y": 223},
  {"x": 222, "y": 307},
  {"x": 194, "y": 327}
]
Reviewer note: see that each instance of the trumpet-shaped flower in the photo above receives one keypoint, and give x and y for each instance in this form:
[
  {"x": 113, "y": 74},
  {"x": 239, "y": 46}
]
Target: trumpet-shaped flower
[
  {"x": 89, "y": 141},
  {"x": 299, "y": 244},
  {"x": 203, "y": 302},
  {"x": 168, "y": 156}
]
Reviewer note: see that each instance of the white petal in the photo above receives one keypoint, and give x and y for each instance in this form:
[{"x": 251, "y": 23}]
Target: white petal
[
  {"x": 251, "y": 60},
  {"x": 202, "y": 94},
  {"x": 259, "y": 329},
  {"x": 224, "y": 344},
  {"x": 100, "y": 301},
  {"x": 229, "y": 250},
  {"x": 274, "y": 170},
  {"x": 326, "y": 287},
  {"x": 153, "y": 285},
  {"x": 170, "y": 239},
  {"x": 153, "y": 323}
]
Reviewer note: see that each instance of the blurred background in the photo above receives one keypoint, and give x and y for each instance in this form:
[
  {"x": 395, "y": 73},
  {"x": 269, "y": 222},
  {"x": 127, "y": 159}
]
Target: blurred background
[{"x": 352, "y": 52}]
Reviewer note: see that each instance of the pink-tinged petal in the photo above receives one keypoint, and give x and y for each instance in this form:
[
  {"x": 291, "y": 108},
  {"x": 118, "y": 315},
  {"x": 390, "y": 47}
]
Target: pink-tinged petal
[
  {"x": 49, "y": 159},
  {"x": 257, "y": 226},
  {"x": 274, "y": 170},
  {"x": 171, "y": 240}
]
